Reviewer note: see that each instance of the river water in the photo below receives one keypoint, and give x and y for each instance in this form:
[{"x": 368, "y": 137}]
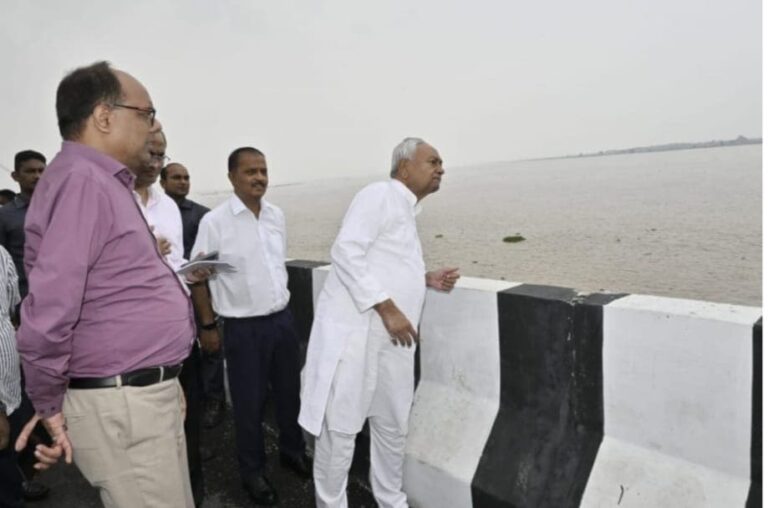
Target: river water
[{"x": 682, "y": 223}]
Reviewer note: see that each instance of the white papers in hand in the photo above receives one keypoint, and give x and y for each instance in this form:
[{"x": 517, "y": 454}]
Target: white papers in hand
[{"x": 218, "y": 266}]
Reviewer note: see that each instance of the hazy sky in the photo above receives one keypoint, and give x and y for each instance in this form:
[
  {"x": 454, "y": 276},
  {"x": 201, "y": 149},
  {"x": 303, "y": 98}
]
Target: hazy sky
[{"x": 327, "y": 88}]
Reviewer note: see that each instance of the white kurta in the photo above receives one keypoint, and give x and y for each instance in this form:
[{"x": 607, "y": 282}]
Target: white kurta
[{"x": 377, "y": 255}]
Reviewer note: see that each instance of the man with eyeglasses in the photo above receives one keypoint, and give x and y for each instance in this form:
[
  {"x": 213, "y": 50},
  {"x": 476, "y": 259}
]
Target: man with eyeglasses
[
  {"x": 165, "y": 219},
  {"x": 159, "y": 210},
  {"x": 107, "y": 321}
]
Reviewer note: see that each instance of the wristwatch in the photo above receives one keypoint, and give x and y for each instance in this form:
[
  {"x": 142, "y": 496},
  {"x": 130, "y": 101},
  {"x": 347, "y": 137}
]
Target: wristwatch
[{"x": 209, "y": 326}]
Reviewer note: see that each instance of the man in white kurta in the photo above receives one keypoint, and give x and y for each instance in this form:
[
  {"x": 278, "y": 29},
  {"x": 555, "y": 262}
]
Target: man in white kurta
[{"x": 361, "y": 350}]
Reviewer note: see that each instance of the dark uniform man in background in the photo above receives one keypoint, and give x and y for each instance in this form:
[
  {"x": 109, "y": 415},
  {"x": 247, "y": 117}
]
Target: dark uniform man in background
[
  {"x": 28, "y": 167},
  {"x": 175, "y": 180}
]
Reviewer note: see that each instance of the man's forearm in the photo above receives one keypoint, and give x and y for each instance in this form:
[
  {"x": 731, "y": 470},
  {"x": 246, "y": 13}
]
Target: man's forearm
[{"x": 201, "y": 299}]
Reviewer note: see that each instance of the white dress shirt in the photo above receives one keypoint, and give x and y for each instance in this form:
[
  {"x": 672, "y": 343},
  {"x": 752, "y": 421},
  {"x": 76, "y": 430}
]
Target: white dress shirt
[
  {"x": 162, "y": 213},
  {"x": 377, "y": 255},
  {"x": 10, "y": 374},
  {"x": 256, "y": 247}
]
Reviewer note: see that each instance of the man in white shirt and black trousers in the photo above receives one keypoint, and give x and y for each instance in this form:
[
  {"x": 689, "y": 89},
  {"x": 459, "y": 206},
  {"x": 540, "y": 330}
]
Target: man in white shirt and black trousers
[
  {"x": 261, "y": 346},
  {"x": 360, "y": 359}
]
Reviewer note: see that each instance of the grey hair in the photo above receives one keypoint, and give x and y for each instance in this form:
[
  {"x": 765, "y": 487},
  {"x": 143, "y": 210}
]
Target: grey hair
[{"x": 403, "y": 152}]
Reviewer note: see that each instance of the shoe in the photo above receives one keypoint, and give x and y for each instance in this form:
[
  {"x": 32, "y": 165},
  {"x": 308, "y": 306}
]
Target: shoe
[
  {"x": 301, "y": 465},
  {"x": 34, "y": 491},
  {"x": 213, "y": 413},
  {"x": 261, "y": 491}
]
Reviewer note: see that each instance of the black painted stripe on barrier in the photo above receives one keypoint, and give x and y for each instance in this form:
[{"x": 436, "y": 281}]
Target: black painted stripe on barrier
[
  {"x": 300, "y": 286},
  {"x": 755, "y": 497},
  {"x": 303, "y": 309},
  {"x": 550, "y": 421}
]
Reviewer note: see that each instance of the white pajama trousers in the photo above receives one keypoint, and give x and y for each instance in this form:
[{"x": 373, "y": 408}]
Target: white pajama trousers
[
  {"x": 373, "y": 380},
  {"x": 333, "y": 458}
]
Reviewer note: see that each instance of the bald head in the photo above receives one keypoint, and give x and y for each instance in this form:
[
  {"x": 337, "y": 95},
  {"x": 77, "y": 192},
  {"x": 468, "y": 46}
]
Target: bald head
[{"x": 108, "y": 110}]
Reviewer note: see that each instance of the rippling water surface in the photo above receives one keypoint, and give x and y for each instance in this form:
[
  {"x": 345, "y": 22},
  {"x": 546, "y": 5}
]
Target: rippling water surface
[{"x": 683, "y": 224}]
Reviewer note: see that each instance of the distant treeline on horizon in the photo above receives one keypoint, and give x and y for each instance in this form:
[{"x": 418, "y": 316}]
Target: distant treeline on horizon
[{"x": 740, "y": 140}]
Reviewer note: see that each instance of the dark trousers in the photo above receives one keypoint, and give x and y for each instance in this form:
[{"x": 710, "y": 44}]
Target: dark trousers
[
  {"x": 11, "y": 493},
  {"x": 262, "y": 353},
  {"x": 192, "y": 386},
  {"x": 212, "y": 374}
]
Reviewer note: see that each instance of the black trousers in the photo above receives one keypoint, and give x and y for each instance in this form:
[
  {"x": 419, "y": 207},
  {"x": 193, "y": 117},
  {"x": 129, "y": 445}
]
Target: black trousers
[
  {"x": 212, "y": 374},
  {"x": 262, "y": 353},
  {"x": 11, "y": 493},
  {"x": 191, "y": 383}
]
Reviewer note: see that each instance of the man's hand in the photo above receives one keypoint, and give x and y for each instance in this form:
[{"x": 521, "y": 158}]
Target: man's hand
[
  {"x": 398, "y": 326},
  {"x": 163, "y": 245},
  {"x": 5, "y": 430},
  {"x": 199, "y": 275},
  {"x": 210, "y": 342},
  {"x": 48, "y": 455},
  {"x": 443, "y": 279}
]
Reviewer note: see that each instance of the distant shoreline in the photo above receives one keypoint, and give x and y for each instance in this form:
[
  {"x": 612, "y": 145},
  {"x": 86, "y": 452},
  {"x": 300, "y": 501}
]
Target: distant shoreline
[{"x": 739, "y": 141}]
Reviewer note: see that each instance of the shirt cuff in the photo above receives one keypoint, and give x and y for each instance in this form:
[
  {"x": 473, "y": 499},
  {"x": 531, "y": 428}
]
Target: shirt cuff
[{"x": 48, "y": 407}]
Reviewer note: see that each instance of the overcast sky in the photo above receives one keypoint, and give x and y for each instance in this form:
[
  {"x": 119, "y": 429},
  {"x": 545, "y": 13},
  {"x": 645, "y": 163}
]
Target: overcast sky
[{"x": 327, "y": 88}]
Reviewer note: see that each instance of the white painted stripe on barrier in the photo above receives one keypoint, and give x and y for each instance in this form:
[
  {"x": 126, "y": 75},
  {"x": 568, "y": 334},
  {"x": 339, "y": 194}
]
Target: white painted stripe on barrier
[
  {"x": 457, "y": 399},
  {"x": 677, "y": 377},
  {"x": 630, "y": 476}
]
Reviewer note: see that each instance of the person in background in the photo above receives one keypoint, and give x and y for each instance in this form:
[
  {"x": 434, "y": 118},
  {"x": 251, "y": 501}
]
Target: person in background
[
  {"x": 11, "y": 417},
  {"x": 165, "y": 220},
  {"x": 107, "y": 321},
  {"x": 261, "y": 345},
  {"x": 159, "y": 210},
  {"x": 360, "y": 358},
  {"x": 174, "y": 178},
  {"x": 6, "y": 196},
  {"x": 28, "y": 167}
]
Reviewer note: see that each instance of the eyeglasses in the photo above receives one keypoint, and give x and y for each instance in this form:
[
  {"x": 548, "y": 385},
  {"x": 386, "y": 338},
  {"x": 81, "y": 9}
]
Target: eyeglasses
[
  {"x": 160, "y": 157},
  {"x": 149, "y": 112}
]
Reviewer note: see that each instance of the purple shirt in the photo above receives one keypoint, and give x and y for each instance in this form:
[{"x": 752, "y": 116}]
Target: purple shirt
[{"x": 101, "y": 299}]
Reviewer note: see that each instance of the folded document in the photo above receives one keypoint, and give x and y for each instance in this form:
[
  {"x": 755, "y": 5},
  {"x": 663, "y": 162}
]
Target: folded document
[{"x": 218, "y": 266}]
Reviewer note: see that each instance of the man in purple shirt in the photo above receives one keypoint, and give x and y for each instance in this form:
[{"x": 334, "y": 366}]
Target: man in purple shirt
[{"x": 106, "y": 323}]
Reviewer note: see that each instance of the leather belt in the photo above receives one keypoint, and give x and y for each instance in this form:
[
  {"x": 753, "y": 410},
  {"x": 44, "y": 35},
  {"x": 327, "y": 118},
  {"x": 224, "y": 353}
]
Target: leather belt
[{"x": 140, "y": 377}]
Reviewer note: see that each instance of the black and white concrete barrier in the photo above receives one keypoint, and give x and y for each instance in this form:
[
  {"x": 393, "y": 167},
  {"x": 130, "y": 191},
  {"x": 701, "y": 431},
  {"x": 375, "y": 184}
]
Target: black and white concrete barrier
[{"x": 537, "y": 396}]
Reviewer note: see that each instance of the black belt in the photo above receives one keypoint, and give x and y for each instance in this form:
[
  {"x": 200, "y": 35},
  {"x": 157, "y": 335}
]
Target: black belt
[{"x": 141, "y": 377}]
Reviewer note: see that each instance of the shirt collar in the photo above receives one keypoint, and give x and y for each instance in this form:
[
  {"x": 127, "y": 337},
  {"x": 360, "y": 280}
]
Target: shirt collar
[
  {"x": 20, "y": 201},
  {"x": 100, "y": 159},
  {"x": 237, "y": 206},
  {"x": 409, "y": 196},
  {"x": 153, "y": 196},
  {"x": 185, "y": 204}
]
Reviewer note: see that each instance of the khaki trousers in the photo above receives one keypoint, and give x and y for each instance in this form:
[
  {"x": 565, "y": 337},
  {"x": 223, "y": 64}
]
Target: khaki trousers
[{"x": 129, "y": 443}]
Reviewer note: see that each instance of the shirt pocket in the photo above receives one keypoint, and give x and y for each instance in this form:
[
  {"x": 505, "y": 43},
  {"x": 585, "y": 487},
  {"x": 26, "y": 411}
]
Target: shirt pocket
[{"x": 274, "y": 242}]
